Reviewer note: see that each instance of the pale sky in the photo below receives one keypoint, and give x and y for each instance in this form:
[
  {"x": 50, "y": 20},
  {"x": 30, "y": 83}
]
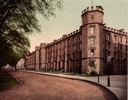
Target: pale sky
[{"x": 68, "y": 19}]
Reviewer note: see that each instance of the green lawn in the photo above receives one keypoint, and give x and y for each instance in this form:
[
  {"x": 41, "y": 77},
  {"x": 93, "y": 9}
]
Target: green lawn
[{"x": 6, "y": 81}]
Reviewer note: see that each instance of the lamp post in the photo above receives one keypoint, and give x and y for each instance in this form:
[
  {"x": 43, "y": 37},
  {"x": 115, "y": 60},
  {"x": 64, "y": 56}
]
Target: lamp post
[{"x": 108, "y": 71}]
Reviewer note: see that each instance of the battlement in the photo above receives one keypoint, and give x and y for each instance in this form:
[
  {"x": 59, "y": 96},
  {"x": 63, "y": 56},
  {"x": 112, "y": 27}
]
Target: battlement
[
  {"x": 121, "y": 31},
  {"x": 74, "y": 32},
  {"x": 37, "y": 48},
  {"x": 97, "y": 8},
  {"x": 43, "y": 45},
  {"x": 64, "y": 37}
]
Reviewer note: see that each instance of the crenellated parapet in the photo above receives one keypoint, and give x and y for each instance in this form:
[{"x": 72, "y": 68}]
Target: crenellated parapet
[
  {"x": 74, "y": 32},
  {"x": 88, "y": 9},
  {"x": 37, "y": 48},
  {"x": 64, "y": 37},
  {"x": 42, "y": 45},
  {"x": 120, "y": 31}
]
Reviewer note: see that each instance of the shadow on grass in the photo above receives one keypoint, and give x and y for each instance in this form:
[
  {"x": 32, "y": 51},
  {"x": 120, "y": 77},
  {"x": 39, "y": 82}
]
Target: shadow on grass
[{"x": 6, "y": 81}]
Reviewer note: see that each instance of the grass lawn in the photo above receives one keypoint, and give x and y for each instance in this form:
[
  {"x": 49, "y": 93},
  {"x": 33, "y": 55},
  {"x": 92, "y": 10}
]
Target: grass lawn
[{"x": 6, "y": 81}]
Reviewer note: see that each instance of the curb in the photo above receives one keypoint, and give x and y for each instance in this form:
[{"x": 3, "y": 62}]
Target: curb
[{"x": 94, "y": 83}]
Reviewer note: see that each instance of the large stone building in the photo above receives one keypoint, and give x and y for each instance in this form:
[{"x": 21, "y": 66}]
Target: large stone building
[{"x": 92, "y": 42}]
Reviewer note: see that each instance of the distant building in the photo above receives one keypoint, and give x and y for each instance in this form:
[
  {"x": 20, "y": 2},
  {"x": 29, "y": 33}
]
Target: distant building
[
  {"x": 20, "y": 64},
  {"x": 93, "y": 41}
]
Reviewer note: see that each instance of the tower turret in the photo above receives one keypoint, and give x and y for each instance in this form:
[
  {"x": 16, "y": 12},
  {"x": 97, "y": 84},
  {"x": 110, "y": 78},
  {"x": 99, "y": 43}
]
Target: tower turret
[
  {"x": 92, "y": 37},
  {"x": 92, "y": 15}
]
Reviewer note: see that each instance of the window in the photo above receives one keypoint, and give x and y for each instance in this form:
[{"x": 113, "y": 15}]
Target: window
[
  {"x": 120, "y": 39},
  {"x": 68, "y": 42},
  {"x": 121, "y": 47},
  {"x": 80, "y": 47},
  {"x": 126, "y": 40},
  {"x": 91, "y": 40},
  {"x": 114, "y": 54},
  {"x": 109, "y": 36},
  {"x": 73, "y": 55},
  {"x": 73, "y": 39},
  {"x": 80, "y": 38},
  {"x": 68, "y": 56},
  {"x": 109, "y": 44},
  {"x": 91, "y": 52},
  {"x": 115, "y": 46},
  {"x": 126, "y": 55},
  {"x": 74, "y": 48},
  {"x": 80, "y": 55},
  {"x": 121, "y": 54},
  {"x": 115, "y": 37},
  {"x": 109, "y": 53},
  {"x": 92, "y": 30},
  {"x": 64, "y": 43}
]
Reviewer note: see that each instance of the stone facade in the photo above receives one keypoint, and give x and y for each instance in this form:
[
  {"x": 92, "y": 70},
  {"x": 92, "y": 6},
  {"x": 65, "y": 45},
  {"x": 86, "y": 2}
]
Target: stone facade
[
  {"x": 93, "y": 41},
  {"x": 30, "y": 61}
]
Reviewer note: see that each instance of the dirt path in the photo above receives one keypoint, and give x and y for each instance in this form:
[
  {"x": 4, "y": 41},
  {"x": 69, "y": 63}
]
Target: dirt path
[{"x": 41, "y": 87}]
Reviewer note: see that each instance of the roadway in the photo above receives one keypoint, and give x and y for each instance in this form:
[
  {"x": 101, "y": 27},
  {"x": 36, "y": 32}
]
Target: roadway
[{"x": 43, "y": 87}]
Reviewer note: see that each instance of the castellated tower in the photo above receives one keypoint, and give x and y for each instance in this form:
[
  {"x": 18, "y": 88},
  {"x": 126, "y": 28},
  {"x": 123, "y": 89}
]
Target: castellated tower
[{"x": 92, "y": 31}]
